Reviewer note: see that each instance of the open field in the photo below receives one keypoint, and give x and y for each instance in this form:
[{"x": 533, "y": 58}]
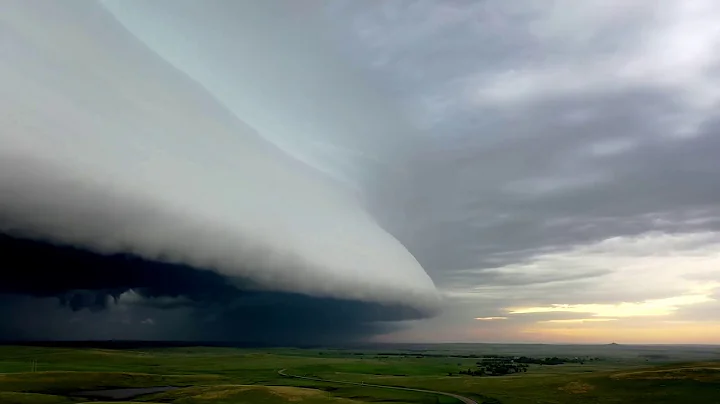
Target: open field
[{"x": 612, "y": 374}]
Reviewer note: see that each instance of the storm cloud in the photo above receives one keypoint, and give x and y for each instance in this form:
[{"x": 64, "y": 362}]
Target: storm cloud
[
  {"x": 119, "y": 175},
  {"x": 319, "y": 162}
]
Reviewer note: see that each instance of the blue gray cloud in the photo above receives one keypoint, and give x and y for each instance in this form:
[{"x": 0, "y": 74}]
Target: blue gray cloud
[
  {"x": 519, "y": 153},
  {"x": 108, "y": 148}
]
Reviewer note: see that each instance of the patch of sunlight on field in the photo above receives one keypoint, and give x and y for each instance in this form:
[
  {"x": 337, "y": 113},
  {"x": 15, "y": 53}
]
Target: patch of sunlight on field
[
  {"x": 697, "y": 373},
  {"x": 577, "y": 388},
  {"x": 241, "y": 394}
]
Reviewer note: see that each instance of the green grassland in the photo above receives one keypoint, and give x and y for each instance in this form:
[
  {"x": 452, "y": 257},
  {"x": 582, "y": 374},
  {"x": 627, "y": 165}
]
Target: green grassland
[{"x": 621, "y": 374}]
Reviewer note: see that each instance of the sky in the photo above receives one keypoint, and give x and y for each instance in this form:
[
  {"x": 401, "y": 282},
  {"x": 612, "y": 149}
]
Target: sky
[{"x": 394, "y": 171}]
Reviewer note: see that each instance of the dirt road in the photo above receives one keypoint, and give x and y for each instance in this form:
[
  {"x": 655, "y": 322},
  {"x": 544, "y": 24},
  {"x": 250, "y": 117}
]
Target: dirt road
[{"x": 462, "y": 399}]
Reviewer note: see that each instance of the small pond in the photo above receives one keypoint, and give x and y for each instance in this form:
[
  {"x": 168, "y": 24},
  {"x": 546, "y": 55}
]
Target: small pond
[{"x": 123, "y": 394}]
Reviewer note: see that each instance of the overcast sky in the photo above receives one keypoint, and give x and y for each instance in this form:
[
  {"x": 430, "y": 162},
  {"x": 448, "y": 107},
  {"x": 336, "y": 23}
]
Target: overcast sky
[
  {"x": 573, "y": 162},
  {"x": 571, "y": 181},
  {"x": 561, "y": 163},
  {"x": 553, "y": 167}
]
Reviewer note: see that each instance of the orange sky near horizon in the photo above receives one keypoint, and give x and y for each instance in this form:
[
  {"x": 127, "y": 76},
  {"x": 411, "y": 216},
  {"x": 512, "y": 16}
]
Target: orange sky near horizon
[{"x": 623, "y": 332}]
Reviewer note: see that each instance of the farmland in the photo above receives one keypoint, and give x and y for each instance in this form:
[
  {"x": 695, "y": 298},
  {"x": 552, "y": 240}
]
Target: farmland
[{"x": 552, "y": 374}]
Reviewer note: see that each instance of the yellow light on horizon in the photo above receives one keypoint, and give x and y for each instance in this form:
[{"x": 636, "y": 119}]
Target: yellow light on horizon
[
  {"x": 579, "y": 320},
  {"x": 699, "y": 332},
  {"x": 652, "y": 307}
]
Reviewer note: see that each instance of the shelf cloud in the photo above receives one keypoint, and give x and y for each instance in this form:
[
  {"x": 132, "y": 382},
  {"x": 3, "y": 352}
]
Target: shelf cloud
[
  {"x": 299, "y": 171},
  {"x": 120, "y": 174}
]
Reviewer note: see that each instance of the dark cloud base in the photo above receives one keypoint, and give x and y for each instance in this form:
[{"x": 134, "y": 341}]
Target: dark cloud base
[
  {"x": 58, "y": 292},
  {"x": 82, "y": 279}
]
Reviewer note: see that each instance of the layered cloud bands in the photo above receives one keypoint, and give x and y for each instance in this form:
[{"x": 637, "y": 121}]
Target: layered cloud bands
[{"x": 121, "y": 178}]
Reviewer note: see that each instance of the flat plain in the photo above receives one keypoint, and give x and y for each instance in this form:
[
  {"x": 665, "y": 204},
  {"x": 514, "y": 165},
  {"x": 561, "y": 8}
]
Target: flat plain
[{"x": 220, "y": 375}]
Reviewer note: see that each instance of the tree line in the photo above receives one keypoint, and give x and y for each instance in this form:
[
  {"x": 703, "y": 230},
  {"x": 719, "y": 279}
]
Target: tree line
[{"x": 496, "y": 365}]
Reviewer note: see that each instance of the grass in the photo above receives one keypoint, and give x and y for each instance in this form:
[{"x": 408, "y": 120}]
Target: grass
[
  {"x": 61, "y": 383},
  {"x": 238, "y": 394},
  {"x": 29, "y": 398},
  {"x": 225, "y": 375}
]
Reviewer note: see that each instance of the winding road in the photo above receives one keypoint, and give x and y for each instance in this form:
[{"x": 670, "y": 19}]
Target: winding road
[{"x": 464, "y": 400}]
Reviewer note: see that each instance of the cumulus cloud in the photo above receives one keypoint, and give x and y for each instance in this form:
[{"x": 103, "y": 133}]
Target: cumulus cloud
[{"x": 118, "y": 173}]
